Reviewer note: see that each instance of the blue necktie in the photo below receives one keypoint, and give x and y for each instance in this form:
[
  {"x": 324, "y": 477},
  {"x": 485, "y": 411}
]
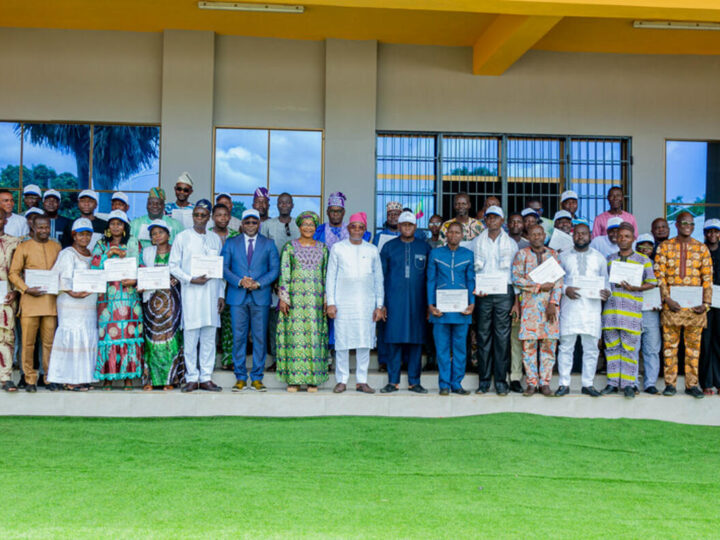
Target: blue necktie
[{"x": 250, "y": 251}]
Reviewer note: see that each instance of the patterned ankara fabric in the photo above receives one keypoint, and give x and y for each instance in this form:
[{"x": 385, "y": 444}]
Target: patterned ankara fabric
[
  {"x": 163, "y": 338},
  {"x": 302, "y": 334},
  {"x": 623, "y": 310},
  {"x": 472, "y": 228},
  {"x": 120, "y": 326},
  {"x": 622, "y": 349},
  {"x": 7, "y": 311},
  {"x": 687, "y": 264},
  {"x": 530, "y": 360},
  {"x": 671, "y": 341}
]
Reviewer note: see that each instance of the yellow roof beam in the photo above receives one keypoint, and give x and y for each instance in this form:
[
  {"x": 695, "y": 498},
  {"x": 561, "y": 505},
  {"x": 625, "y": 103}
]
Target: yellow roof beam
[{"x": 506, "y": 39}]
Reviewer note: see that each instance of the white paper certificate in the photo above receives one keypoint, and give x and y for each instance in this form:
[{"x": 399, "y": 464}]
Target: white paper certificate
[
  {"x": 716, "y": 297},
  {"x": 687, "y": 297},
  {"x": 94, "y": 240},
  {"x": 491, "y": 283},
  {"x": 47, "y": 280},
  {"x": 92, "y": 281},
  {"x": 206, "y": 265},
  {"x": 548, "y": 272},
  {"x": 118, "y": 269},
  {"x": 3, "y": 291},
  {"x": 651, "y": 299},
  {"x": 451, "y": 300},
  {"x": 157, "y": 277},
  {"x": 184, "y": 216},
  {"x": 630, "y": 272},
  {"x": 560, "y": 241},
  {"x": 384, "y": 239},
  {"x": 590, "y": 286}
]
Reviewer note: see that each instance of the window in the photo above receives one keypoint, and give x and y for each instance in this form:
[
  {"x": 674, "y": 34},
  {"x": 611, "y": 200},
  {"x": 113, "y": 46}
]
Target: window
[
  {"x": 279, "y": 160},
  {"x": 692, "y": 181},
  {"x": 59, "y": 156},
  {"x": 432, "y": 168}
]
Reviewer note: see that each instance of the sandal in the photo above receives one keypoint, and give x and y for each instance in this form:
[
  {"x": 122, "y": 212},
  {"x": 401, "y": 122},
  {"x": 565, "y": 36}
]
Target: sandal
[
  {"x": 78, "y": 388},
  {"x": 146, "y": 388},
  {"x": 168, "y": 387},
  {"x": 9, "y": 386},
  {"x": 107, "y": 385},
  {"x": 292, "y": 388},
  {"x": 312, "y": 389},
  {"x": 128, "y": 387}
]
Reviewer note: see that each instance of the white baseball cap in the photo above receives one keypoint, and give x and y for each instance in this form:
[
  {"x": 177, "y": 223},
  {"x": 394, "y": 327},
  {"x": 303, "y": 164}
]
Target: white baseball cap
[
  {"x": 529, "y": 211},
  {"x": 407, "y": 217},
  {"x": 120, "y": 196},
  {"x": 712, "y": 224},
  {"x": 614, "y": 222},
  {"x": 82, "y": 224},
  {"x": 569, "y": 194},
  {"x": 89, "y": 193},
  {"x": 562, "y": 214},
  {"x": 645, "y": 237},
  {"x": 32, "y": 189},
  {"x": 32, "y": 211},
  {"x": 250, "y": 212},
  {"x": 496, "y": 210},
  {"x": 118, "y": 214},
  {"x": 158, "y": 223},
  {"x": 51, "y": 193}
]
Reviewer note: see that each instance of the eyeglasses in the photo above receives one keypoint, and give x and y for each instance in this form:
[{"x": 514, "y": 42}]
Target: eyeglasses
[
  {"x": 686, "y": 223},
  {"x": 183, "y": 189}
]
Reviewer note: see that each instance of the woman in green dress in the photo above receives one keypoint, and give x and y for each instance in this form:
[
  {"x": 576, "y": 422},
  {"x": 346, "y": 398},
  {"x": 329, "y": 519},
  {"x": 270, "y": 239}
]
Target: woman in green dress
[
  {"x": 120, "y": 321},
  {"x": 221, "y": 220},
  {"x": 164, "y": 360},
  {"x": 302, "y": 331}
]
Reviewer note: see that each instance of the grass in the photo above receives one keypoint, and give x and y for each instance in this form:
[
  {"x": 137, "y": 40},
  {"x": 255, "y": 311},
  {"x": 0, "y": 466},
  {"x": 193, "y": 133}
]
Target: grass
[{"x": 505, "y": 475}]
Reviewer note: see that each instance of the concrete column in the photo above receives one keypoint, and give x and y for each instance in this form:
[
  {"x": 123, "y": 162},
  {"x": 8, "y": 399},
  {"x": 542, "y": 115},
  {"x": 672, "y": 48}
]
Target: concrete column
[
  {"x": 350, "y": 103},
  {"x": 187, "y": 109}
]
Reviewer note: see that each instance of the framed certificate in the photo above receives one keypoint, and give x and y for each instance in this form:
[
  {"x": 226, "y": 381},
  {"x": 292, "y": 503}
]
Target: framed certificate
[
  {"x": 47, "y": 280},
  {"x": 92, "y": 281},
  {"x": 651, "y": 299},
  {"x": 623, "y": 271},
  {"x": 206, "y": 265},
  {"x": 548, "y": 272},
  {"x": 687, "y": 297},
  {"x": 590, "y": 287},
  {"x": 451, "y": 300},
  {"x": 117, "y": 269},
  {"x": 157, "y": 277},
  {"x": 491, "y": 283}
]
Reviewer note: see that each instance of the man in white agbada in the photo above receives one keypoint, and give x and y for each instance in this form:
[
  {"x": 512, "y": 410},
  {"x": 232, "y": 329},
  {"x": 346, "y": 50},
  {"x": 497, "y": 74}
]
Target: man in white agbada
[
  {"x": 355, "y": 296},
  {"x": 579, "y": 314},
  {"x": 203, "y": 299}
]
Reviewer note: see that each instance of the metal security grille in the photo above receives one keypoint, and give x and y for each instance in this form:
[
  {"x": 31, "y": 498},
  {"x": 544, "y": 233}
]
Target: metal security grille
[{"x": 433, "y": 167}]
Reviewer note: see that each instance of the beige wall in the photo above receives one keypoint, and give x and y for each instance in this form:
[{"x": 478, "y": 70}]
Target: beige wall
[{"x": 350, "y": 89}]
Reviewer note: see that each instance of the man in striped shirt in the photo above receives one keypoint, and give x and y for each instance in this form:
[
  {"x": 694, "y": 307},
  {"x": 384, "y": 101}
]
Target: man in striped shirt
[{"x": 622, "y": 317}]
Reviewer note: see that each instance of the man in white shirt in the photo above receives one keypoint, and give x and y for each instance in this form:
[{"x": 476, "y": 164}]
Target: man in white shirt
[
  {"x": 607, "y": 243},
  {"x": 203, "y": 299},
  {"x": 15, "y": 225},
  {"x": 494, "y": 252},
  {"x": 355, "y": 296},
  {"x": 580, "y": 310}
]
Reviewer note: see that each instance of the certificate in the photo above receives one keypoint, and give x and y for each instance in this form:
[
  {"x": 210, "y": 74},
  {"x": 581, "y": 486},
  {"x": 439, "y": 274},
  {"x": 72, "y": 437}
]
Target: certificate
[
  {"x": 46, "y": 280},
  {"x": 548, "y": 272},
  {"x": 687, "y": 297},
  {"x": 560, "y": 241},
  {"x": 206, "y": 265},
  {"x": 118, "y": 269},
  {"x": 144, "y": 233},
  {"x": 651, "y": 299},
  {"x": 451, "y": 300},
  {"x": 590, "y": 287},
  {"x": 716, "y": 297},
  {"x": 184, "y": 216},
  {"x": 384, "y": 239},
  {"x": 3, "y": 291},
  {"x": 92, "y": 281},
  {"x": 156, "y": 277},
  {"x": 94, "y": 240},
  {"x": 491, "y": 283},
  {"x": 630, "y": 272}
]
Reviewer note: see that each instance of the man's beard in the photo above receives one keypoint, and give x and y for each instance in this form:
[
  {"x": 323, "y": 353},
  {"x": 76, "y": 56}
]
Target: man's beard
[{"x": 582, "y": 245}]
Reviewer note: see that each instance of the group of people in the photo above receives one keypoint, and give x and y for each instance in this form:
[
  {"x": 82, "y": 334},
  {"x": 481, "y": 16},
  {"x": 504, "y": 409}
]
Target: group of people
[{"x": 518, "y": 292}]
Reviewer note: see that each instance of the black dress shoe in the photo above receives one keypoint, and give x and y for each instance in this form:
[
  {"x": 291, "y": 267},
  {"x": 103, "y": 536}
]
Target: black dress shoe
[
  {"x": 516, "y": 387},
  {"x": 272, "y": 367},
  {"x": 590, "y": 391},
  {"x": 609, "y": 389},
  {"x": 562, "y": 391},
  {"x": 53, "y": 387},
  {"x": 382, "y": 368},
  {"x": 629, "y": 392},
  {"x": 388, "y": 388},
  {"x": 418, "y": 389},
  {"x": 31, "y": 388},
  {"x": 209, "y": 386},
  {"x": 460, "y": 391},
  {"x": 481, "y": 390},
  {"x": 190, "y": 387},
  {"x": 695, "y": 392},
  {"x": 501, "y": 389},
  {"x": 444, "y": 391},
  {"x": 651, "y": 390},
  {"x": 21, "y": 382},
  {"x": 670, "y": 390},
  {"x": 636, "y": 390}
]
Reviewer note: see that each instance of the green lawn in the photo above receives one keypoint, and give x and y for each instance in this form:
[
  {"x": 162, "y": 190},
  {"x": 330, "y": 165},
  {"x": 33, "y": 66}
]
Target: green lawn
[{"x": 506, "y": 475}]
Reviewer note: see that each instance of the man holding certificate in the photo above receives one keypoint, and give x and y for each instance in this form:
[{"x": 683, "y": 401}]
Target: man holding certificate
[
  {"x": 586, "y": 287},
  {"x": 684, "y": 269},
  {"x": 494, "y": 252},
  {"x": 38, "y": 310},
  {"x": 622, "y": 314},
  {"x": 8, "y": 306},
  {"x": 203, "y": 299},
  {"x": 450, "y": 285},
  {"x": 535, "y": 273}
]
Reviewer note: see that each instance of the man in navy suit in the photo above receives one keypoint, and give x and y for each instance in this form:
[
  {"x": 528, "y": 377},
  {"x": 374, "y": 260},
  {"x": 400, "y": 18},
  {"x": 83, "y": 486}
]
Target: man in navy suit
[{"x": 251, "y": 264}]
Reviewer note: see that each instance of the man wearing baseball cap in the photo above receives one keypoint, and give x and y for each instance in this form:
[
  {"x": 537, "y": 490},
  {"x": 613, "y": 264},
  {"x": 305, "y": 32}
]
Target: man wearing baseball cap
[
  {"x": 607, "y": 243},
  {"x": 120, "y": 201},
  {"x": 183, "y": 190},
  {"x": 87, "y": 204},
  {"x": 710, "y": 341},
  {"x": 31, "y": 196},
  {"x": 569, "y": 202},
  {"x": 51, "y": 204}
]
